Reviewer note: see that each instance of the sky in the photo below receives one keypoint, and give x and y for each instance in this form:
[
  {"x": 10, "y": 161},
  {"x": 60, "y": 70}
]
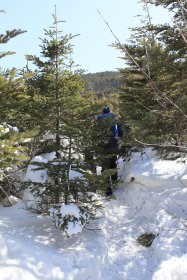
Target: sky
[
  {"x": 92, "y": 50},
  {"x": 32, "y": 248}
]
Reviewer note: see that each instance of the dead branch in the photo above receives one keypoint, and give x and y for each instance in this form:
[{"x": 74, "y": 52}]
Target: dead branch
[
  {"x": 93, "y": 229},
  {"x": 4, "y": 192},
  {"x": 181, "y": 182},
  {"x": 183, "y": 148}
]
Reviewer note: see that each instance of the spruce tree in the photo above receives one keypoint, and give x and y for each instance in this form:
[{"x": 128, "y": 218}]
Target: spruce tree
[
  {"x": 154, "y": 92},
  {"x": 12, "y": 149},
  {"x": 61, "y": 108}
]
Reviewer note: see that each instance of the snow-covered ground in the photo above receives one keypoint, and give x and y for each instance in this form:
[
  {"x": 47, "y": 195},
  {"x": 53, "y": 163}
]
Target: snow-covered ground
[{"x": 151, "y": 198}]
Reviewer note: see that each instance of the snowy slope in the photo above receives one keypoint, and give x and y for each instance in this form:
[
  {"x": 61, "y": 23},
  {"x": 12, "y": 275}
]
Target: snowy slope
[{"x": 153, "y": 201}]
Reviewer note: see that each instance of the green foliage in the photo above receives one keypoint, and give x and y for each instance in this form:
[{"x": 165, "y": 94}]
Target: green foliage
[
  {"x": 13, "y": 113},
  {"x": 4, "y": 38},
  {"x": 9, "y": 34},
  {"x": 60, "y": 107},
  {"x": 12, "y": 98},
  {"x": 154, "y": 92},
  {"x": 103, "y": 83},
  {"x": 12, "y": 150}
]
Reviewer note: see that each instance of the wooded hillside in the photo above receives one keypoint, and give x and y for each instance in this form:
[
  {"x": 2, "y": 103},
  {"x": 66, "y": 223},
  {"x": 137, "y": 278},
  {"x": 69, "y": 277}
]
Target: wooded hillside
[{"x": 103, "y": 82}]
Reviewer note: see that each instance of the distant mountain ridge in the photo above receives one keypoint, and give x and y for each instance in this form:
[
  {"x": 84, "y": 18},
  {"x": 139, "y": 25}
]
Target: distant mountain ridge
[{"x": 103, "y": 82}]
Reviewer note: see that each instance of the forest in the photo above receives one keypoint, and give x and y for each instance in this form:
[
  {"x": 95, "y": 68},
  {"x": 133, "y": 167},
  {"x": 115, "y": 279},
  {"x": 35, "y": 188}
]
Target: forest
[
  {"x": 57, "y": 103},
  {"x": 104, "y": 83},
  {"x": 50, "y": 110}
]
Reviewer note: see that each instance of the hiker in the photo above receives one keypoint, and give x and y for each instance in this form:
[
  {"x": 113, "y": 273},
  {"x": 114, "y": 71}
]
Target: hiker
[{"x": 110, "y": 137}]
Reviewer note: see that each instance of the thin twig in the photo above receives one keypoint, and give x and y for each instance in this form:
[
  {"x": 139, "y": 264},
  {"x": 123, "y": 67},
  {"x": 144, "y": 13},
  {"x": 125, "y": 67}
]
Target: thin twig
[
  {"x": 178, "y": 218},
  {"x": 95, "y": 229},
  {"x": 181, "y": 182}
]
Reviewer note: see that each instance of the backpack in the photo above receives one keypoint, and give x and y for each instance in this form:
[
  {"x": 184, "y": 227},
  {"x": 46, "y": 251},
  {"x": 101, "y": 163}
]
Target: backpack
[{"x": 108, "y": 129}]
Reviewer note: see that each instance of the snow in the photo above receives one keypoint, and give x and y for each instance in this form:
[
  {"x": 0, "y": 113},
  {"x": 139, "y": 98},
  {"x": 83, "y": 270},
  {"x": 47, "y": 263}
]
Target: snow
[
  {"x": 3, "y": 248},
  {"x": 74, "y": 227},
  {"x": 69, "y": 217},
  {"x": 71, "y": 210},
  {"x": 5, "y": 128},
  {"x": 151, "y": 198},
  {"x": 39, "y": 176}
]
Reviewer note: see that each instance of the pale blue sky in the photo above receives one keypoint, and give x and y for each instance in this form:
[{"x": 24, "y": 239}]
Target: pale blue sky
[{"x": 91, "y": 49}]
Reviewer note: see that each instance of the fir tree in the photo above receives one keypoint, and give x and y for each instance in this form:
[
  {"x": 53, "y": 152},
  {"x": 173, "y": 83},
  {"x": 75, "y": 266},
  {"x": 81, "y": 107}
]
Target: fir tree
[
  {"x": 154, "y": 97},
  {"x": 13, "y": 152},
  {"x": 62, "y": 109}
]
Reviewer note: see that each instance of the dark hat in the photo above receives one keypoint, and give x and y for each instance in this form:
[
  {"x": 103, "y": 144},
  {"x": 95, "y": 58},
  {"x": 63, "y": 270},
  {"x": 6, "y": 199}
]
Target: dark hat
[{"x": 106, "y": 110}]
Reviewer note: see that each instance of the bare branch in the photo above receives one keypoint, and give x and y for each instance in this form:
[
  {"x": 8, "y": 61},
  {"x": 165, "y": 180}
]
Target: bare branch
[
  {"x": 181, "y": 182},
  {"x": 4, "y": 192},
  {"x": 181, "y": 148},
  {"x": 182, "y": 221},
  {"x": 93, "y": 229}
]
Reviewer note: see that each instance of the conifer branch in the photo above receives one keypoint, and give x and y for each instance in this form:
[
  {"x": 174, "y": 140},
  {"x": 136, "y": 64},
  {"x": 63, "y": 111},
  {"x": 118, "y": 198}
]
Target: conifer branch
[
  {"x": 3, "y": 54},
  {"x": 147, "y": 108},
  {"x": 4, "y": 38},
  {"x": 152, "y": 84}
]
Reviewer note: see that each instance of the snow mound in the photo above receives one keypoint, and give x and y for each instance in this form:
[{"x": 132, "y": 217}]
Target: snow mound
[
  {"x": 173, "y": 269},
  {"x": 10, "y": 200},
  {"x": 14, "y": 273},
  {"x": 37, "y": 250},
  {"x": 39, "y": 176},
  {"x": 157, "y": 190},
  {"x": 69, "y": 218},
  {"x": 149, "y": 170},
  {"x": 69, "y": 210}
]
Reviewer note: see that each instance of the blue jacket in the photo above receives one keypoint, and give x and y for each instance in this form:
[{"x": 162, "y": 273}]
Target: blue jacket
[
  {"x": 110, "y": 139},
  {"x": 103, "y": 116}
]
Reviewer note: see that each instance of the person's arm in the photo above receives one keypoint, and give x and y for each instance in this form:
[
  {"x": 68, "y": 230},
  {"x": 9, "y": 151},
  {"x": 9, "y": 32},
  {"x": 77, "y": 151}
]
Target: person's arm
[{"x": 120, "y": 131}]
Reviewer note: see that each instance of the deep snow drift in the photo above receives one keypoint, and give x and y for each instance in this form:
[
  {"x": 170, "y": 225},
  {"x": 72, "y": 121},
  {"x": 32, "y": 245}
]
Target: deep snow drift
[{"x": 151, "y": 198}]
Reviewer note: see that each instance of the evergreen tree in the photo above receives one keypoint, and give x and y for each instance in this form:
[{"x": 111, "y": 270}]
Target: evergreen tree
[
  {"x": 12, "y": 150},
  {"x": 62, "y": 109},
  {"x": 154, "y": 97}
]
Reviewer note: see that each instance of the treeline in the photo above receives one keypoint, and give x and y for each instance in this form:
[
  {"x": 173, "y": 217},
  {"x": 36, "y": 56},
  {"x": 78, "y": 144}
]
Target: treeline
[{"x": 103, "y": 83}]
